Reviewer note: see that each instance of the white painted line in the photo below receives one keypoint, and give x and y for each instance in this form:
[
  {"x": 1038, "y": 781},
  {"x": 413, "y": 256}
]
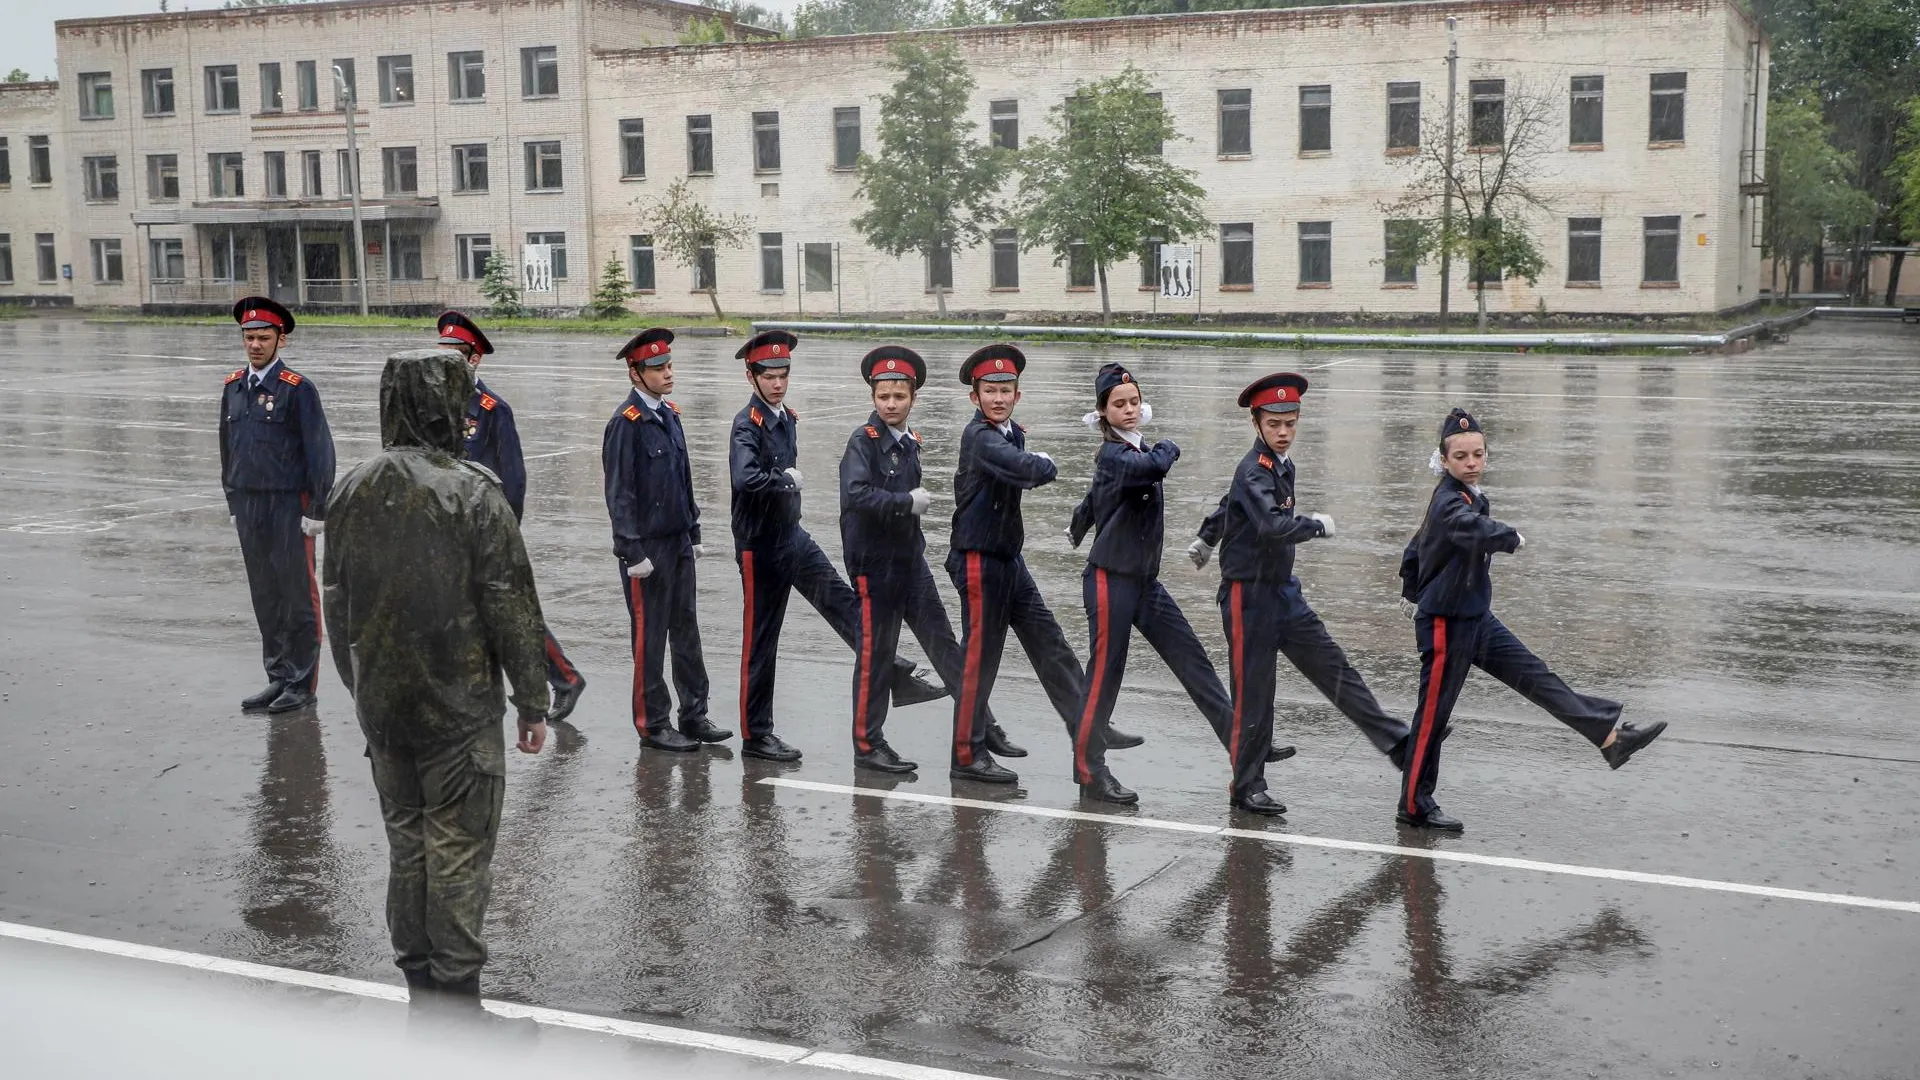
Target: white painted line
[
  {"x": 683, "y": 1038},
  {"x": 1910, "y": 907}
]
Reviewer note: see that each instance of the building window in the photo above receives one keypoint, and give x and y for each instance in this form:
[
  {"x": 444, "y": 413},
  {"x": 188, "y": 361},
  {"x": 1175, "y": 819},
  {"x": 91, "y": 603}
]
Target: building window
[
  {"x": 819, "y": 266},
  {"x": 846, "y": 137},
  {"x": 640, "y": 262},
  {"x": 470, "y": 167},
  {"x": 773, "y": 272},
  {"x": 310, "y": 173},
  {"x": 229, "y": 256},
  {"x": 1316, "y": 252},
  {"x": 1236, "y": 122},
  {"x": 706, "y": 272},
  {"x": 1662, "y": 263},
  {"x": 1668, "y": 109},
  {"x": 156, "y": 91},
  {"x": 343, "y": 74},
  {"x": 700, "y": 145},
  {"x": 39, "y": 159},
  {"x": 1403, "y": 116},
  {"x": 1003, "y": 118},
  {"x": 1236, "y": 255},
  {"x": 766, "y": 142},
  {"x": 557, "y": 241},
  {"x": 45, "y": 264},
  {"x": 6, "y": 164},
  {"x": 96, "y": 95},
  {"x": 6, "y": 258},
  {"x": 1401, "y": 265},
  {"x": 349, "y": 172},
  {"x": 466, "y": 76},
  {"x": 226, "y": 176},
  {"x": 306, "y": 77},
  {"x": 940, "y": 269},
  {"x": 1487, "y": 123},
  {"x": 1079, "y": 265},
  {"x": 543, "y": 166},
  {"x": 169, "y": 259},
  {"x": 396, "y": 79},
  {"x": 404, "y": 261},
  {"x": 633, "y": 149},
  {"x": 400, "y": 170},
  {"x": 276, "y": 170},
  {"x": 1316, "y": 119},
  {"x": 223, "y": 88},
  {"x": 540, "y": 72},
  {"x": 1006, "y": 259},
  {"x": 1585, "y": 126},
  {"x": 106, "y": 262},
  {"x": 273, "y": 96},
  {"x": 1150, "y": 263},
  {"x": 102, "y": 176},
  {"x": 1583, "y": 250},
  {"x": 472, "y": 251}
]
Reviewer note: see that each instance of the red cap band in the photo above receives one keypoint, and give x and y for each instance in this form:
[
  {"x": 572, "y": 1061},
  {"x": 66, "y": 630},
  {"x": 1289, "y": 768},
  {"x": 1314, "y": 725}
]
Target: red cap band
[
  {"x": 772, "y": 351},
  {"x": 648, "y": 351},
  {"x": 999, "y": 365},
  {"x": 262, "y": 315},
  {"x": 455, "y": 330},
  {"x": 1274, "y": 395}
]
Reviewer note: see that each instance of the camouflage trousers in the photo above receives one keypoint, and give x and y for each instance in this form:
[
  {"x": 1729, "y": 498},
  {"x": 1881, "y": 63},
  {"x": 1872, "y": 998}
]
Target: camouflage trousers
[{"x": 441, "y": 805}]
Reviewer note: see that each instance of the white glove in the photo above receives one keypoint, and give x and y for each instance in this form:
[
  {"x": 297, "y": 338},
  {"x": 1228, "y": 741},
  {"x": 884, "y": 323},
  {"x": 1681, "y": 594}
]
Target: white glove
[
  {"x": 1200, "y": 552},
  {"x": 233, "y": 520},
  {"x": 312, "y": 527},
  {"x": 1522, "y": 539},
  {"x": 699, "y": 552},
  {"x": 794, "y": 474},
  {"x": 1326, "y": 522},
  {"x": 1043, "y": 456},
  {"x": 1409, "y": 608},
  {"x": 922, "y": 498},
  {"x": 642, "y": 569},
  {"x": 1146, "y": 412}
]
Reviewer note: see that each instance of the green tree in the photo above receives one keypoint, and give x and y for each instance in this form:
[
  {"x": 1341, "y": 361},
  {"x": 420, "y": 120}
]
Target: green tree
[
  {"x": 932, "y": 183},
  {"x": 1100, "y": 187},
  {"x": 1811, "y": 186},
  {"x": 747, "y": 13},
  {"x": 610, "y": 299},
  {"x": 704, "y": 31},
  {"x": 819, "y": 18},
  {"x": 19, "y": 75},
  {"x": 501, "y": 286},
  {"x": 692, "y": 234},
  {"x": 1906, "y": 204}
]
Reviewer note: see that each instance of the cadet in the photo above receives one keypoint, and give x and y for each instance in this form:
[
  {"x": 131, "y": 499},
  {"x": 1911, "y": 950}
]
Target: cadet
[
  {"x": 493, "y": 440},
  {"x": 656, "y": 537},
  {"x": 1256, "y": 530},
  {"x": 1121, "y": 585},
  {"x": 1447, "y": 571},
  {"x": 431, "y": 599},
  {"x": 276, "y": 465},
  {"x": 997, "y": 592},
  {"x": 776, "y": 555}
]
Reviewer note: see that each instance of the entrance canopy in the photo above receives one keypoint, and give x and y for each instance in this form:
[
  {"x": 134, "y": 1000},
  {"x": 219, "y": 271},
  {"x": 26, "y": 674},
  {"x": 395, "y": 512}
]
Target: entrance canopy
[{"x": 280, "y": 213}]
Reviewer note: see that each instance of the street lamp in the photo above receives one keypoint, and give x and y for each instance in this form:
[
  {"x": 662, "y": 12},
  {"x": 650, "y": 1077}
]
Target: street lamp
[
  {"x": 1446, "y": 192},
  {"x": 349, "y": 99}
]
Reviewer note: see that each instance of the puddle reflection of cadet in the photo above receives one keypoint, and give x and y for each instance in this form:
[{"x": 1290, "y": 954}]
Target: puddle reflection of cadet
[
  {"x": 964, "y": 882},
  {"x": 295, "y": 872},
  {"x": 276, "y": 466}
]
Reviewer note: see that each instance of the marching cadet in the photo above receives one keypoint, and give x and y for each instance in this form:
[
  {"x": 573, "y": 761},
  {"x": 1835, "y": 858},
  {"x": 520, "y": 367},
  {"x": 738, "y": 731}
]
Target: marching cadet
[
  {"x": 276, "y": 465},
  {"x": 656, "y": 537},
  {"x": 1446, "y": 571},
  {"x": 776, "y": 555},
  {"x": 984, "y": 560},
  {"x": 1256, "y": 530},
  {"x": 493, "y": 440}
]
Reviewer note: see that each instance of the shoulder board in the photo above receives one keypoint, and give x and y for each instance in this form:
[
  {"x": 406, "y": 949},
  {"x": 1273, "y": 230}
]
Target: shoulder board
[
  {"x": 754, "y": 415},
  {"x": 1021, "y": 428},
  {"x": 1468, "y": 496},
  {"x": 1266, "y": 462},
  {"x": 488, "y": 401},
  {"x": 236, "y": 375},
  {"x": 915, "y": 434},
  {"x": 675, "y": 408},
  {"x": 871, "y": 433},
  {"x": 631, "y": 412},
  {"x": 791, "y": 415},
  {"x": 289, "y": 377}
]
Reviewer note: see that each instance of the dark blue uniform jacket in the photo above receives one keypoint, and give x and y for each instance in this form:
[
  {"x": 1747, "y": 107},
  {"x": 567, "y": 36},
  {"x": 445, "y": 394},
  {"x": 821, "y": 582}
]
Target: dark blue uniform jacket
[
  {"x": 1447, "y": 566},
  {"x": 1124, "y": 506},
  {"x": 493, "y": 440},
  {"x": 275, "y": 438},
  {"x": 993, "y": 470},
  {"x": 877, "y": 525},
  {"x": 649, "y": 483},
  {"x": 1255, "y": 527},
  {"x": 766, "y": 502}
]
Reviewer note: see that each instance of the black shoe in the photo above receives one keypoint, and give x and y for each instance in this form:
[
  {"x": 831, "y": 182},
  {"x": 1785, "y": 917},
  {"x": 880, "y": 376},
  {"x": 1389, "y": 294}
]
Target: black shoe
[
  {"x": 1260, "y": 803},
  {"x": 419, "y": 979},
  {"x": 1120, "y": 740},
  {"x": 769, "y": 748},
  {"x": 264, "y": 698},
  {"x": 911, "y": 687},
  {"x": 1433, "y": 819},
  {"x": 1629, "y": 738},
  {"x": 984, "y": 770},
  {"x": 1106, "y": 789},
  {"x": 292, "y": 699},
  {"x": 565, "y": 698},
  {"x": 1279, "y": 753},
  {"x": 705, "y": 730},
  {"x": 468, "y": 987},
  {"x": 665, "y": 738},
  {"x": 1001, "y": 746},
  {"x": 882, "y": 759}
]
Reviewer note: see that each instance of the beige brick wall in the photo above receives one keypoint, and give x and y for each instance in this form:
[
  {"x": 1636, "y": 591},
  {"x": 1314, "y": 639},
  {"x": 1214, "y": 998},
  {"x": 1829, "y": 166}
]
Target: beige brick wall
[{"x": 28, "y": 210}]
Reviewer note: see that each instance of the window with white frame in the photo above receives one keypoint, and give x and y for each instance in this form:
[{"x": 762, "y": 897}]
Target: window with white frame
[
  {"x": 229, "y": 256},
  {"x": 640, "y": 261},
  {"x": 846, "y": 137},
  {"x": 169, "y": 259},
  {"x": 1316, "y": 252},
  {"x": 470, "y": 167},
  {"x": 633, "y": 149},
  {"x": 766, "y": 142},
  {"x": 543, "y": 165},
  {"x": 404, "y": 260},
  {"x": 45, "y": 262},
  {"x": 540, "y": 72},
  {"x": 396, "y": 79},
  {"x": 1005, "y": 270},
  {"x": 400, "y": 170},
  {"x": 96, "y": 95},
  {"x": 276, "y": 173},
  {"x": 1583, "y": 251},
  {"x": 306, "y": 76},
  {"x": 773, "y": 263},
  {"x": 6, "y": 258},
  {"x": 156, "y": 92},
  {"x": 348, "y": 170},
  {"x": 466, "y": 76},
  {"x": 1667, "y": 111},
  {"x": 102, "y": 175},
  {"x": 471, "y": 251},
  {"x": 1236, "y": 255},
  {"x": 226, "y": 176},
  {"x": 345, "y": 86},
  {"x": 107, "y": 266},
  {"x": 310, "y": 174},
  {"x": 223, "y": 88},
  {"x": 273, "y": 94},
  {"x": 39, "y": 159}
]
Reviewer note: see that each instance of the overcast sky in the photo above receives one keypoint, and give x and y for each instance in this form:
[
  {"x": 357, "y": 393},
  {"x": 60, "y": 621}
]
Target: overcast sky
[{"x": 26, "y": 26}]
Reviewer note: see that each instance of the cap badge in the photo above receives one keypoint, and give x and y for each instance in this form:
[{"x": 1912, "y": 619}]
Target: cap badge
[
  {"x": 1464, "y": 422},
  {"x": 999, "y": 365},
  {"x": 893, "y": 365}
]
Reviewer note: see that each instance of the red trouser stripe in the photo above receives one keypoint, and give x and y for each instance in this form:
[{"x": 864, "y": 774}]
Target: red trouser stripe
[
  {"x": 1238, "y": 654},
  {"x": 1096, "y": 670},
  {"x": 970, "y": 683},
  {"x": 313, "y": 593},
  {"x": 746, "y": 639},
  {"x": 559, "y": 659},
  {"x": 1436, "y": 671},
  {"x": 638, "y": 599},
  {"x": 865, "y": 671}
]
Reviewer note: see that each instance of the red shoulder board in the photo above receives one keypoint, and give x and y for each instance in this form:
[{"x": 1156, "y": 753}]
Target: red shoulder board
[
  {"x": 871, "y": 433},
  {"x": 754, "y": 415},
  {"x": 1266, "y": 462},
  {"x": 236, "y": 374},
  {"x": 791, "y": 415},
  {"x": 631, "y": 412},
  {"x": 289, "y": 377},
  {"x": 1468, "y": 496},
  {"x": 915, "y": 434},
  {"x": 1021, "y": 428},
  {"x": 488, "y": 401},
  {"x": 675, "y": 408}
]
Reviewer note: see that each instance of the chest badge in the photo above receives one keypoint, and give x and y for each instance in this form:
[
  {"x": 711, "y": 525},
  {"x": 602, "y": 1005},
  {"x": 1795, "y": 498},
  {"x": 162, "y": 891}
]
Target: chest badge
[
  {"x": 1287, "y": 504},
  {"x": 473, "y": 426}
]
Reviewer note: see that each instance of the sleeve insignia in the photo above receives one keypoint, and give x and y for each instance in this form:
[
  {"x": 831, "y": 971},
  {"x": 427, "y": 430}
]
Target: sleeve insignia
[
  {"x": 488, "y": 401},
  {"x": 236, "y": 375},
  {"x": 631, "y": 412},
  {"x": 289, "y": 377},
  {"x": 871, "y": 433}
]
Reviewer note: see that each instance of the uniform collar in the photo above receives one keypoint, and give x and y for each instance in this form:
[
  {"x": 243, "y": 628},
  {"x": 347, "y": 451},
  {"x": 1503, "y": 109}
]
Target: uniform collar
[
  {"x": 1260, "y": 449},
  {"x": 779, "y": 412},
  {"x": 1132, "y": 438},
  {"x": 265, "y": 374},
  {"x": 900, "y": 434},
  {"x": 649, "y": 400}
]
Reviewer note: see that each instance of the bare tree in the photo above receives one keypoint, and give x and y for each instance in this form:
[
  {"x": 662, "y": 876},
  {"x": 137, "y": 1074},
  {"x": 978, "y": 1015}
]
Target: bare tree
[{"x": 691, "y": 233}]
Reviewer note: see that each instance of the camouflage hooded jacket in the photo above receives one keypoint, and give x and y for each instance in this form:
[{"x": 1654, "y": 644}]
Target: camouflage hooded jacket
[{"x": 428, "y": 593}]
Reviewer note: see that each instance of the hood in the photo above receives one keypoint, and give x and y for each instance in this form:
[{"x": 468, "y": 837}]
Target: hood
[{"x": 423, "y": 400}]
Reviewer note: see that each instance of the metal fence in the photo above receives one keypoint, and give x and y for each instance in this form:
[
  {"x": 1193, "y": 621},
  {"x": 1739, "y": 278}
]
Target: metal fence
[{"x": 313, "y": 292}]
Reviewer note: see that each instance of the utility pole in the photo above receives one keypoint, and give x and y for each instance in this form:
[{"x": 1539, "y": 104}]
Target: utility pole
[
  {"x": 351, "y": 100},
  {"x": 1446, "y": 196}
]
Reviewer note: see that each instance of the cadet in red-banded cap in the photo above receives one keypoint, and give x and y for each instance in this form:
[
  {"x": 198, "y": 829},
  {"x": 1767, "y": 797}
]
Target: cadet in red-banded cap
[
  {"x": 656, "y": 538},
  {"x": 776, "y": 555},
  {"x": 276, "y": 465}
]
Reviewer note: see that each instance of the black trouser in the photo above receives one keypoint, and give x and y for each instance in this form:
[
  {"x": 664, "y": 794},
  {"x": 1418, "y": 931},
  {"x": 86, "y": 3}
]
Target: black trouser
[
  {"x": 560, "y": 670},
  {"x": 1448, "y": 647},
  {"x": 892, "y": 594},
  {"x": 997, "y": 594},
  {"x": 286, "y": 595},
  {"x": 660, "y": 608},
  {"x": 1116, "y": 603},
  {"x": 1262, "y": 622}
]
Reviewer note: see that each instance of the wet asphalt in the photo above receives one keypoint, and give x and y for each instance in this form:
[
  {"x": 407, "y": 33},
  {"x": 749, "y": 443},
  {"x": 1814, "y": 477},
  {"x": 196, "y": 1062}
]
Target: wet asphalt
[{"x": 1725, "y": 543}]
